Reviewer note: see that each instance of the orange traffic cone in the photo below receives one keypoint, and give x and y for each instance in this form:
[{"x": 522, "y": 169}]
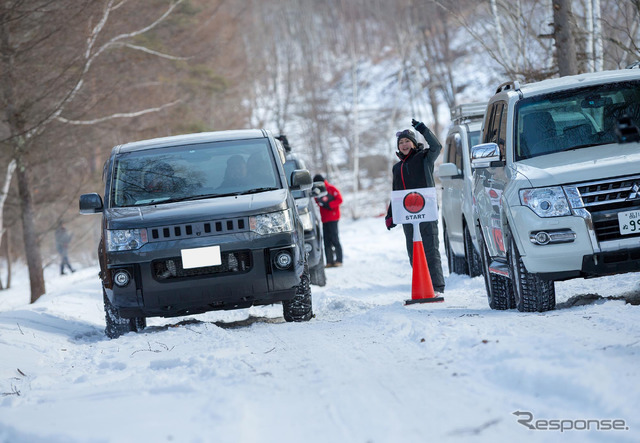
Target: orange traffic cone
[{"x": 421, "y": 286}]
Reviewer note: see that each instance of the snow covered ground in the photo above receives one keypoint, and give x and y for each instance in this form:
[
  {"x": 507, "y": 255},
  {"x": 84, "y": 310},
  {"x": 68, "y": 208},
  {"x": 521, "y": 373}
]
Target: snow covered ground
[{"x": 366, "y": 369}]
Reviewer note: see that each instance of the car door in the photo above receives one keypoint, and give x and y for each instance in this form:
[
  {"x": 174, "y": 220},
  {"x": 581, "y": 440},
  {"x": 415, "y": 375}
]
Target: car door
[
  {"x": 490, "y": 182},
  {"x": 452, "y": 194}
]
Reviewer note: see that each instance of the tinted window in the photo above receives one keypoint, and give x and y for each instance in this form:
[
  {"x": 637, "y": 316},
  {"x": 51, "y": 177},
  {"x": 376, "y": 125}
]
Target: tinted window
[
  {"x": 457, "y": 141},
  {"x": 184, "y": 172},
  {"x": 474, "y": 138}
]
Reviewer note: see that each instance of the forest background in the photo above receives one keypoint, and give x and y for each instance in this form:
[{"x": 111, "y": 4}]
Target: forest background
[{"x": 338, "y": 77}]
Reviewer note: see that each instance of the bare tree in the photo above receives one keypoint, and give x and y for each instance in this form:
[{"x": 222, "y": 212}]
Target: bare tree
[{"x": 47, "y": 59}]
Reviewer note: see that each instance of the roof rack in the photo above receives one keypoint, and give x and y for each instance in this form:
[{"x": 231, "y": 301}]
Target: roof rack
[
  {"x": 468, "y": 111},
  {"x": 509, "y": 86}
]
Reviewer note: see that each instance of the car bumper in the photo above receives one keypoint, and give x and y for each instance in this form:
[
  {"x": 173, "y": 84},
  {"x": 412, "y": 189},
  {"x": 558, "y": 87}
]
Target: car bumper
[
  {"x": 160, "y": 287},
  {"x": 575, "y": 258}
]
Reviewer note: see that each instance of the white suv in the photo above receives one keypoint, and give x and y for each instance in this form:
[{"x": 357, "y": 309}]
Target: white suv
[
  {"x": 457, "y": 184},
  {"x": 557, "y": 185}
]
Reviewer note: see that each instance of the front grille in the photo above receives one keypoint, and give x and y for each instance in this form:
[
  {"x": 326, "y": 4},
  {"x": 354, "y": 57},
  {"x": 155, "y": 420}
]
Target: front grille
[
  {"x": 198, "y": 229},
  {"x": 604, "y": 199},
  {"x": 232, "y": 263}
]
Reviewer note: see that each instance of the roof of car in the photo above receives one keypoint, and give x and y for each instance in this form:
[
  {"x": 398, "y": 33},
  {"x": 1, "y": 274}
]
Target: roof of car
[
  {"x": 573, "y": 81},
  {"x": 186, "y": 139}
]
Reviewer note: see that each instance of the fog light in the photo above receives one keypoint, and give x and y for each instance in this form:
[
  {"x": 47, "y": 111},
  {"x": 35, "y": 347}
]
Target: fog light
[
  {"x": 552, "y": 237},
  {"x": 121, "y": 278},
  {"x": 308, "y": 247},
  {"x": 542, "y": 238},
  {"x": 283, "y": 260}
]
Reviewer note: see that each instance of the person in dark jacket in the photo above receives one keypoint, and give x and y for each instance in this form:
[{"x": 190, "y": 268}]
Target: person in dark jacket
[
  {"x": 63, "y": 238},
  {"x": 415, "y": 170},
  {"x": 330, "y": 214}
]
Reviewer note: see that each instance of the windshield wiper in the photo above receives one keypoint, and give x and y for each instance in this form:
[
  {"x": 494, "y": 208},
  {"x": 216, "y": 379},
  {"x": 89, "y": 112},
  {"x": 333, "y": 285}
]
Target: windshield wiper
[
  {"x": 200, "y": 197},
  {"x": 586, "y": 145},
  {"x": 256, "y": 190}
]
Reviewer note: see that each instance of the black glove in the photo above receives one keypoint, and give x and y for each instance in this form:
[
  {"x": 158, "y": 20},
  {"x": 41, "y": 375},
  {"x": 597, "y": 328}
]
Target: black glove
[
  {"x": 324, "y": 202},
  {"x": 420, "y": 127},
  {"x": 388, "y": 221}
]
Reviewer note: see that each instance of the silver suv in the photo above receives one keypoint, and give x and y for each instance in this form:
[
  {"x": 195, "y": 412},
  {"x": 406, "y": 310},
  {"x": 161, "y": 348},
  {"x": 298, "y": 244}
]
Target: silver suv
[
  {"x": 557, "y": 185},
  {"x": 457, "y": 184}
]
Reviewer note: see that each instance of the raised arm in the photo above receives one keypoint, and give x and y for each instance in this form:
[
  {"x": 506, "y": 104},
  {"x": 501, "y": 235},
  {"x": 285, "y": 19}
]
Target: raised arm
[{"x": 434, "y": 147}]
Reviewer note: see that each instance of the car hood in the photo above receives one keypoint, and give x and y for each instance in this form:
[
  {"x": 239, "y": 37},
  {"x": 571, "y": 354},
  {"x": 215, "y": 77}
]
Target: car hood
[
  {"x": 587, "y": 164},
  {"x": 196, "y": 210}
]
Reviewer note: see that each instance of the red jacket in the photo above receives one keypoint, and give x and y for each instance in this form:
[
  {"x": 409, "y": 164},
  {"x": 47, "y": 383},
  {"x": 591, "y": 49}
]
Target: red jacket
[{"x": 330, "y": 204}]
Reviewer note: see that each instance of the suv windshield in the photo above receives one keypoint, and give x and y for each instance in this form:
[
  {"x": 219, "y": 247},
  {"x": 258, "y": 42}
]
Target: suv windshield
[
  {"x": 193, "y": 172},
  {"x": 574, "y": 119}
]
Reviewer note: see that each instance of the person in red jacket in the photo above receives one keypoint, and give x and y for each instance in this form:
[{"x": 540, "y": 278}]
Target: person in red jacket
[{"x": 330, "y": 214}]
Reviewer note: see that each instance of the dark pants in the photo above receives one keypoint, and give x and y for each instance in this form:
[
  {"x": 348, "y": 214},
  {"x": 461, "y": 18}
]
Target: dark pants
[
  {"x": 332, "y": 248},
  {"x": 431, "y": 244},
  {"x": 65, "y": 262}
]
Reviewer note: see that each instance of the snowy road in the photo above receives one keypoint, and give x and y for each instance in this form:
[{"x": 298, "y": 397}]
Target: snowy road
[{"x": 366, "y": 369}]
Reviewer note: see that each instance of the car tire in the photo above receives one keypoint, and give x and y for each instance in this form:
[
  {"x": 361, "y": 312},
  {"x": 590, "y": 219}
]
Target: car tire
[
  {"x": 474, "y": 262},
  {"x": 317, "y": 274},
  {"x": 531, "y": 293},
  {"x": 300, "y": 307},
  {"x": 117, "y": 325},
  {"x": 456, "y": 264},
  {"x": 499, "y": 288}
]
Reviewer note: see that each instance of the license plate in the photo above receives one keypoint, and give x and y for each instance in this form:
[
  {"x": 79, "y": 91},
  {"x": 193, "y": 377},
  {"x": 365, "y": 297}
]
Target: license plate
[
  {"x": 629, "y": 222},
  {"x": 201, "y": 257}
]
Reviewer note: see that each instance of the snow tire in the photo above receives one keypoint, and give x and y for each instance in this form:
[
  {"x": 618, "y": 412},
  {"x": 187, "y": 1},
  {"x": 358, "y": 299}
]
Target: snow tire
[
  {"x": 457, "y": 265},
  {"x": 531, "y": 292},
  {"x": 300, "y": 307},
  {"x": 474, "y": 262},
  {"x": 499, "y": 288},
  {"x": 117, "y": 325}
]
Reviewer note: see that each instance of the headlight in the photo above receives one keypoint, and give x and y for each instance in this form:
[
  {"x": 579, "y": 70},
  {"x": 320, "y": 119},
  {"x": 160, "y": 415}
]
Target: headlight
[
  {"x": 305, "y": 218},
  {"x": 271, "y": 223},
  {"x": 546, "y": 202},
  {"x": 126, "y": 239}
]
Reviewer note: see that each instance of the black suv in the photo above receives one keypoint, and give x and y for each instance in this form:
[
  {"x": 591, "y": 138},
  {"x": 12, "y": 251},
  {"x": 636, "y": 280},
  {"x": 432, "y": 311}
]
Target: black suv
[
  {"x": 200, "y": 222},
  {"x": 310, "y": 216}
]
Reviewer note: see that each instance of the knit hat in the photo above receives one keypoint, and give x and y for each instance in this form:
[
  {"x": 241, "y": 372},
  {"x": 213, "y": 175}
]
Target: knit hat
[
  {"x": 318, "y": 178},
  {"x": 407, "y": 133}
]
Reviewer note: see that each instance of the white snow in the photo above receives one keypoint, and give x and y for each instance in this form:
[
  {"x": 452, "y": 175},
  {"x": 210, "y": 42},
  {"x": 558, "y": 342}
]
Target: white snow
[{"x": 366, "y": 369}]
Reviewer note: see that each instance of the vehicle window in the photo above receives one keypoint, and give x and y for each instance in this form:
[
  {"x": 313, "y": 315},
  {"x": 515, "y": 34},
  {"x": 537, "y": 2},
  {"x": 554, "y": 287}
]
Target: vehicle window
[
  {"x": 457, "y": 142},
  {"x": 575, "y": 118},
  {"x": 194, "y": 171},
  {"x": 501, "y": 137},
  {"x": 474, "y": 138},
  {"x": 451, "y": 150},
  {"x": 488, "y": 133}
]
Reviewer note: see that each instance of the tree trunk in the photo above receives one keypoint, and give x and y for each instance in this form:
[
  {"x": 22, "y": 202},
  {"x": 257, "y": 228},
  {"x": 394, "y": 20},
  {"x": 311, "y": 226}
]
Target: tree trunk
[
  {"x": 7, "y": 253},
  {"x": 598, "y": 48},
  {"x": 30, "y": 235},
  {"x": 565, "y": 43}
]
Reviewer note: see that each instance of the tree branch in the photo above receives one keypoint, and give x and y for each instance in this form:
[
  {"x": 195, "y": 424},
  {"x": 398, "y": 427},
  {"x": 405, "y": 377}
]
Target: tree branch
[
  {"x": 90, "y": 57},
  {"x": 117, "y": 115}
]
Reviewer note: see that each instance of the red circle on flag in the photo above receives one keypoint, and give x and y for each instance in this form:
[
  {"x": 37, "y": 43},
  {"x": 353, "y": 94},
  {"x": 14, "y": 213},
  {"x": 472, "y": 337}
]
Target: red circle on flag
[{"x": 413, "y": 202}]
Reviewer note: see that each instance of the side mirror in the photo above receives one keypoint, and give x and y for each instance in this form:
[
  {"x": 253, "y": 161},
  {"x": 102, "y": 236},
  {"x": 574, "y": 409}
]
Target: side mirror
[
  {"x": 449, "y": 170},
  {"x": 486, "y": 155},
  {"x": 300, "y": 180},
  {"x": 90, "y": 203}
]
